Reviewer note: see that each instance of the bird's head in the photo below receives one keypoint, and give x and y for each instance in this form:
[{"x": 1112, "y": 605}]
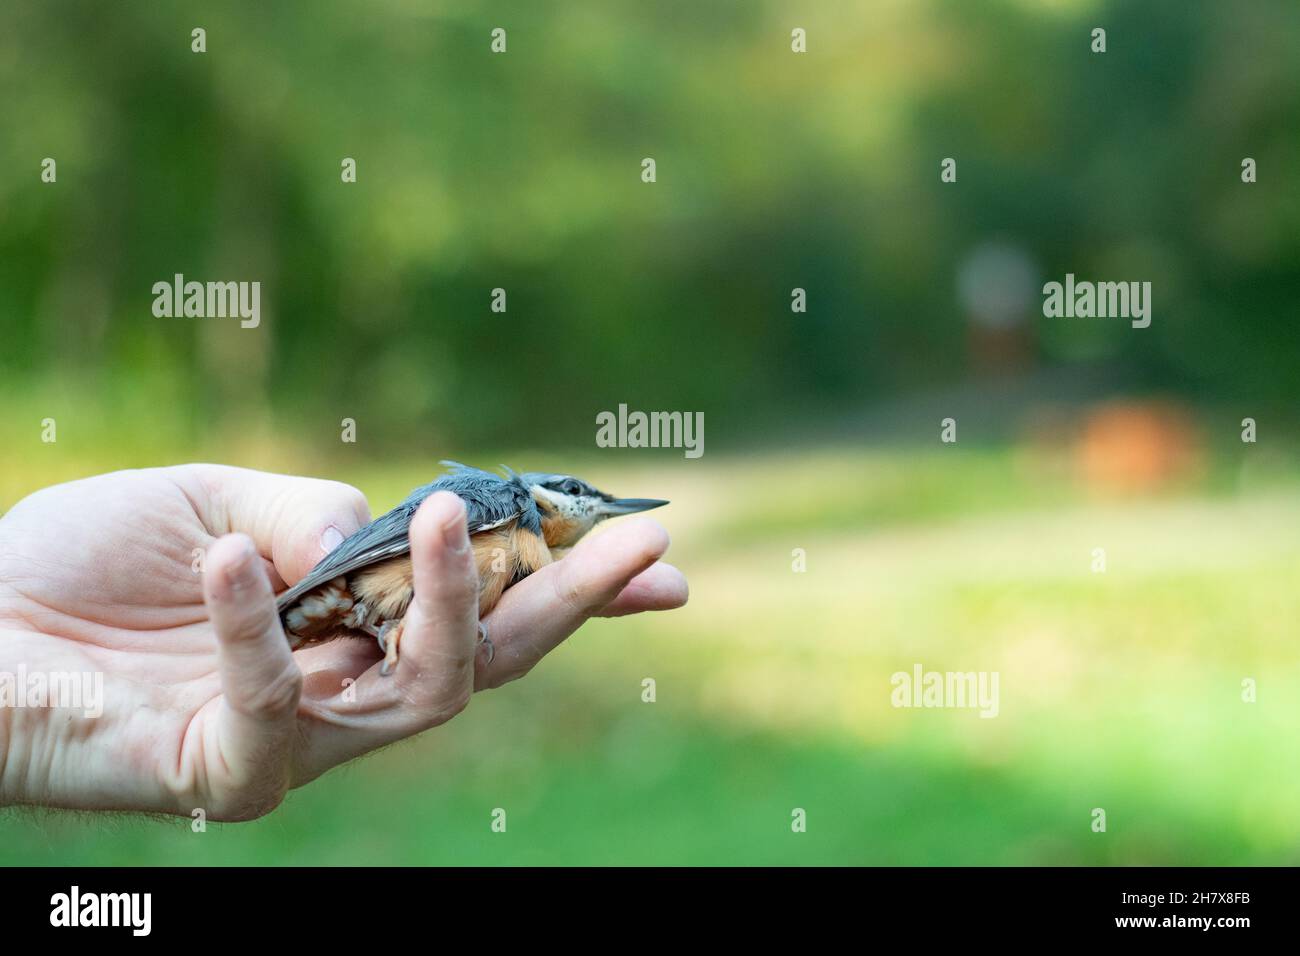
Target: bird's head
[{"x": 571, "y": 507}]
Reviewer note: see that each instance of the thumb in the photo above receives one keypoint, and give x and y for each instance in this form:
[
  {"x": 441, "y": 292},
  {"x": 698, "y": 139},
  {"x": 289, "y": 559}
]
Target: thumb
[{"x": 260, "y": 683}]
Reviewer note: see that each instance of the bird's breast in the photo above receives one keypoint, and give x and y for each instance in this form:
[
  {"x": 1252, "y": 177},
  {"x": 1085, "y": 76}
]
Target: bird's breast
[
  {"x": 502, "y": 557},
  {"x": 385, "y": 588}
]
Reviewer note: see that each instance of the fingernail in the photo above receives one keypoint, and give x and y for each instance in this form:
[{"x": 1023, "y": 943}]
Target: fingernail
[
  {"x": 242, "y": 572},
  {"x": 330, "y": 539},
  {"x": 454, "y": 533}
]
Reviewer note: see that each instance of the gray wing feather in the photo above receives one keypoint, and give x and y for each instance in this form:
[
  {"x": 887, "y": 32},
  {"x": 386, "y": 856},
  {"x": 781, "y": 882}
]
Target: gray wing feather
[
  {"x": 490, "y": 502},
  {"x": 385, "y": 537}
]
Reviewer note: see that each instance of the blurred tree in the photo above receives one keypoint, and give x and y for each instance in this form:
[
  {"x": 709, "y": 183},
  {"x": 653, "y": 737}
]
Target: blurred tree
[{"x": 521, "y": 171}]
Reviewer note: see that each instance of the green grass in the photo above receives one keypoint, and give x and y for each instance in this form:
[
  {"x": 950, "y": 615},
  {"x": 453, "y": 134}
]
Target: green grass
[{"x": 1118, "y": 690}]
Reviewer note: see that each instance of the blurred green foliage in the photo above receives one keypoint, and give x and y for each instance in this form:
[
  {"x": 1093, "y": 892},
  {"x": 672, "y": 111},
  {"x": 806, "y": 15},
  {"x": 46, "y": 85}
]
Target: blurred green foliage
[{"x": 521, "y": 171}]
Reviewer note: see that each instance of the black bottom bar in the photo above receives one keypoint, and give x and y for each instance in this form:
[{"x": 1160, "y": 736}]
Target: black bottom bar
[{"x": 331, "y": 906}]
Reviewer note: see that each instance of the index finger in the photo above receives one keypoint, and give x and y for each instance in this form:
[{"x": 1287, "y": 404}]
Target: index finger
[
  {"x": 293, "y": 521},
  {"x": 538, "y": 613}
]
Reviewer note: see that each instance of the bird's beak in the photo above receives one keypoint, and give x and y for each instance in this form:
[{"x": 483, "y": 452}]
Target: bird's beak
[{"x": 629, "y": 506}]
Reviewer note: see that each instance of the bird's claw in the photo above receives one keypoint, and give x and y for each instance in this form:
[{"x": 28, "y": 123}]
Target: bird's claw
[
  {"x": 390, "y": 637},
  {"x": 485, "y": 641}
]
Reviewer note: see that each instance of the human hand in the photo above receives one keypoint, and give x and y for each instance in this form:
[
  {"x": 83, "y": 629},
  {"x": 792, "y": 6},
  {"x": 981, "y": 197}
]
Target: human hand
[{"x": 162, "y": 581}]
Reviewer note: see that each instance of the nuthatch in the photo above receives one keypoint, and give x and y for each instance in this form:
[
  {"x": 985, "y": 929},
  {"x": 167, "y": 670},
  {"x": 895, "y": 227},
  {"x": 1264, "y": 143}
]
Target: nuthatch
[{"x": 517, "y": 524}]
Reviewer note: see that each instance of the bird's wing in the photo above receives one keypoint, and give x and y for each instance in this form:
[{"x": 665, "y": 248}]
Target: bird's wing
[{"x": 388, "y": 536}]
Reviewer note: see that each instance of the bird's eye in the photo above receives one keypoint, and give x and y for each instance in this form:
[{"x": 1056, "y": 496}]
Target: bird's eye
[{"x": 571, "y": 487}]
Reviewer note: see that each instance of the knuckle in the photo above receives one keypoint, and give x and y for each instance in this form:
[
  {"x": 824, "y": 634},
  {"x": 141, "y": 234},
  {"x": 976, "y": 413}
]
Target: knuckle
[
  {"x": 457, "y": 587},
  {"x": 576, "y": 596},
  {"x": 247, "y": 626},
  {"x": 466, "y": 583}
]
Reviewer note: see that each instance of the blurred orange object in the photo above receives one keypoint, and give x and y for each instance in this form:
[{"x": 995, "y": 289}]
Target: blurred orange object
[{"x": 1137, "y": 446}]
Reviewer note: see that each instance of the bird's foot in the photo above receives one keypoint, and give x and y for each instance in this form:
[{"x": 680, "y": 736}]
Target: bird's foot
[
  {"x": 358, "y": 619},
  {"x": 389, "y": 637}
]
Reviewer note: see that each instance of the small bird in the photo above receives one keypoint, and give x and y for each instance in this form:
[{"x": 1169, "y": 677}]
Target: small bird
[{"x": 517, "y": 524}]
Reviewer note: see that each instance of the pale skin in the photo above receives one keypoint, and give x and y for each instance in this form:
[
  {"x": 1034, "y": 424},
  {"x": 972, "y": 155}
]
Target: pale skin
[{"x": 205, "y": 706}]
